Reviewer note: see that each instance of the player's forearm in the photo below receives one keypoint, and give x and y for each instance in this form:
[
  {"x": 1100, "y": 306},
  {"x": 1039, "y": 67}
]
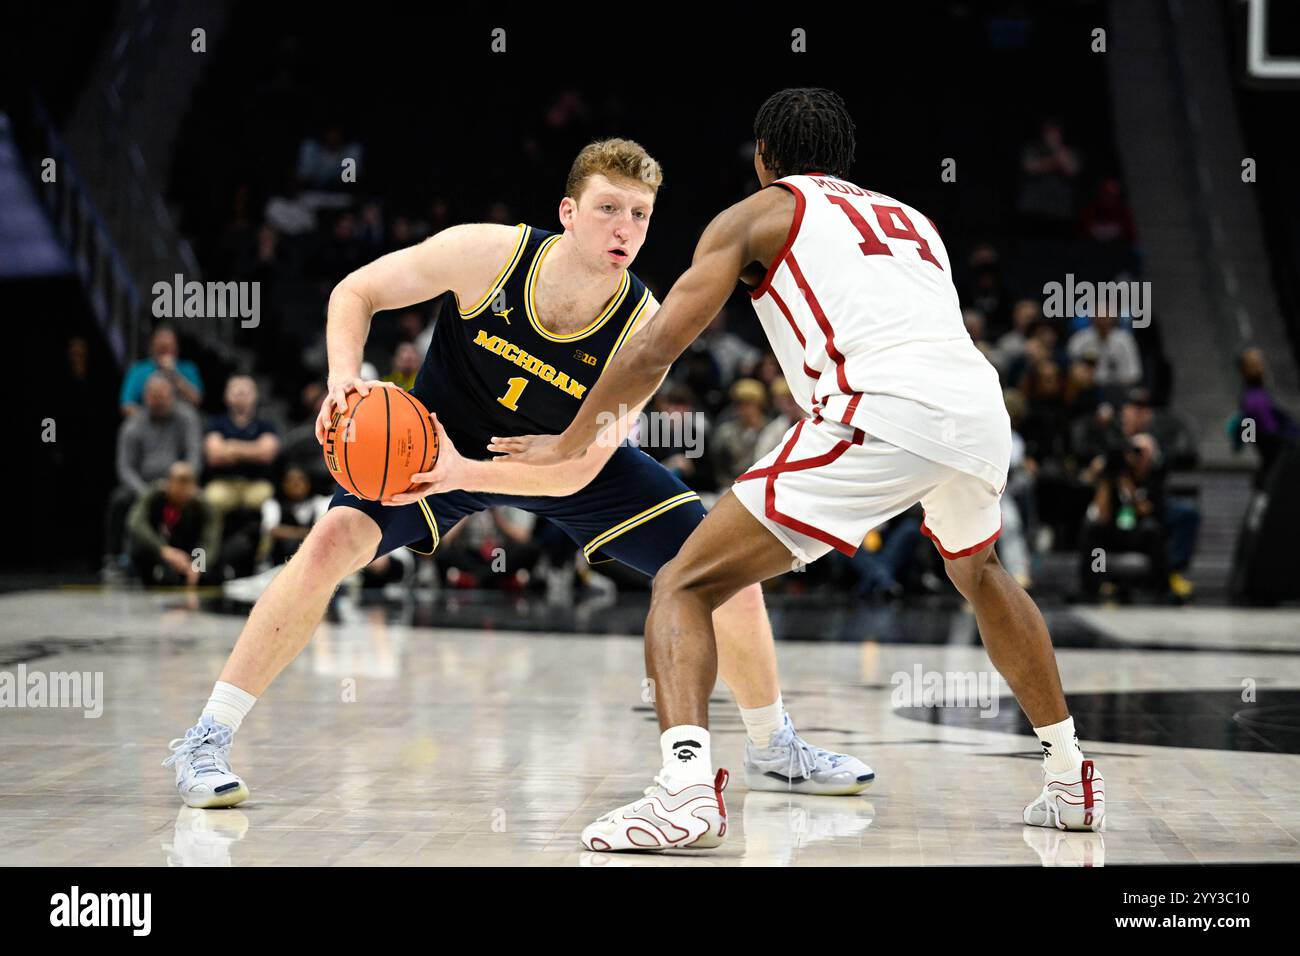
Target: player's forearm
[
  {"x": 346, "y": 329},
  {"x": 509, "y": 478},
  {"x": 627, "y": 383}
]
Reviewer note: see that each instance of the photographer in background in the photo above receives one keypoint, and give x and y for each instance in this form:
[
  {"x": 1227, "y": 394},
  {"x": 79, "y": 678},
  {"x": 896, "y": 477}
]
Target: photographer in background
[{"x": 1126, "y": 515}]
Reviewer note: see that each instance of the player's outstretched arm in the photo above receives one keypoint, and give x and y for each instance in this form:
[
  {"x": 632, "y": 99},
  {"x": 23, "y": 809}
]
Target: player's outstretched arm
[
  {"x": 738, "y": 236},
  {"x": 463, "y": 259},
  {"x": 453, "y": 472}
]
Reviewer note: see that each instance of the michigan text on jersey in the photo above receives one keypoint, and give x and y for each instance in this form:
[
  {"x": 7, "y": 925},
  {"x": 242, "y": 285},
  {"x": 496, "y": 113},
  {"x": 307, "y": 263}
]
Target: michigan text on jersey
[{"x": 530, "y": 363}]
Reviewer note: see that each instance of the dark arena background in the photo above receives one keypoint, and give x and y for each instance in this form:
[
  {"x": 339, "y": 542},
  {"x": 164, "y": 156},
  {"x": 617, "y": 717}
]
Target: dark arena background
[{"x": 481, "y": 705}]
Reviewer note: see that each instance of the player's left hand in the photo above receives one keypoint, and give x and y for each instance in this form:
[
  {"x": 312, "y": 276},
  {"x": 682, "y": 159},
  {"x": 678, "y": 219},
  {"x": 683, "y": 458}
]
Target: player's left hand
[
  {"x": 531, "y": 450},
  {"x": 448, "y": 474}
]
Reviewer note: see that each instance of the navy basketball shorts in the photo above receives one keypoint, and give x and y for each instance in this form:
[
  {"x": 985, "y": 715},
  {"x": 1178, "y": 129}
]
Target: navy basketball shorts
[{"x": 635, "y": 511}]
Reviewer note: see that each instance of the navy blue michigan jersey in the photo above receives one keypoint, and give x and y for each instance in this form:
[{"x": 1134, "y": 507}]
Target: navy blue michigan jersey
[{"x": 493, "y": 368}]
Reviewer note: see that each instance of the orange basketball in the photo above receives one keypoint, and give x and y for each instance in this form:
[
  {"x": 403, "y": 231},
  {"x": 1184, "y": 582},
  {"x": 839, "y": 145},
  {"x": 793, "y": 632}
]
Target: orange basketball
[{"x": 374, "y": 446}]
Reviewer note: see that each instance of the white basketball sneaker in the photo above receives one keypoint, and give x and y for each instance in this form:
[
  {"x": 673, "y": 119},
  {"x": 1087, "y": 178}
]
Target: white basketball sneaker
[
  {"x": 664, "y": 818},
  {"x": 202, "y": 759},
  {"x": 1074, "y": 800},
  {"x": 792, "y": 765}
]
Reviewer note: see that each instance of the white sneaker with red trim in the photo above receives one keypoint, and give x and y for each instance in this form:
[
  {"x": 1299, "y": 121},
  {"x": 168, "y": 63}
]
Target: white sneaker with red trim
[
  {"x": 664, "y": 818},
  {"x": 1074, "y": 800}
]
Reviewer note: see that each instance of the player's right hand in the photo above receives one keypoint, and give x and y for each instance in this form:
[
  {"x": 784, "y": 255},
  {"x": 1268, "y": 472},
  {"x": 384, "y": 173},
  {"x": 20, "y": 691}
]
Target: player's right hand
[{"x": 336, "y": 399}]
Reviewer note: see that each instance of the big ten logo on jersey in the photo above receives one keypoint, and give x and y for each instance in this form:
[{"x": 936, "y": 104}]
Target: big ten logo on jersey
[{"x": 582, "y": 356}]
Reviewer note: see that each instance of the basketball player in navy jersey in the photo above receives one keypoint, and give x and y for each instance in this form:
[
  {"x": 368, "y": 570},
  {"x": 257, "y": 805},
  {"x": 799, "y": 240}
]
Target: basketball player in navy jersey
[
  {"x": 528, "y": 321},
  {"x": 854, "y": 291}
]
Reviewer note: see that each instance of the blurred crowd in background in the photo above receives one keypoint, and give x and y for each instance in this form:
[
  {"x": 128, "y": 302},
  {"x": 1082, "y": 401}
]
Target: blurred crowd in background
[{"x": 231, "y": 469}]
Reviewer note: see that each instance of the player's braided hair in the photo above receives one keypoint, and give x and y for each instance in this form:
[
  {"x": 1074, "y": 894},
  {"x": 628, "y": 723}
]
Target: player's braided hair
[{"x": 805, "y": 130}]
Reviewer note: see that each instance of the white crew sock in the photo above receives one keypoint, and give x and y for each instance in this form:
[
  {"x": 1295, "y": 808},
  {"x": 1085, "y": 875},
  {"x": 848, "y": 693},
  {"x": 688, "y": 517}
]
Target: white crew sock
[
  {"x": 687, "y": 759},
  {"x": 762, "y": 722},
  {"x": 1061, "y": 751},
  {"x": 229, "y": 705}
]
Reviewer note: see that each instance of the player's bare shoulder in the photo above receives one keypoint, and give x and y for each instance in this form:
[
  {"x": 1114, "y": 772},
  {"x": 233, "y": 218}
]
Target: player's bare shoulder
[
  {"x": 768, "y": 216},
  {"x": 472, "y": 255}
]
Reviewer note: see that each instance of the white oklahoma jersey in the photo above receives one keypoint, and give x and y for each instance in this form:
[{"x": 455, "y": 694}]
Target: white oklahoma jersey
[{"x": 862, "y": 313}]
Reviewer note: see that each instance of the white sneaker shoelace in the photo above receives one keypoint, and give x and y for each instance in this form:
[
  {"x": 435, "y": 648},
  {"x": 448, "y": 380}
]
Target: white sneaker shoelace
[
  {"x": 803, "y": 756},
  {"x": 202, "y": 745}
]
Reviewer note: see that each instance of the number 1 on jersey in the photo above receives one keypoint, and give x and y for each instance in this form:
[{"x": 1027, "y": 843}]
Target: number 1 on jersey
[{"x": 511, "y": 398}]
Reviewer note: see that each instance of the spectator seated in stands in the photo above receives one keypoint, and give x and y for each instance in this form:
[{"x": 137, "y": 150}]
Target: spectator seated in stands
[
  {"x": 1126, "y": 516},
  {"x": 1180, "y": 514},
  {"x": 1114, "y": 350},
  {"x": 1025, "y": 315},
  {"x": 973, "y": 319},
  {"x": 288, "y": 516},
  {"x": 148, "y": 444},
  {"x": 174, "y": 532},
  {"x": 164, "y": 359},
  {"x": 1050, "y": 457},
  {"x": 1082, "y": 393},
  {"x": 240, "y": 450},
  {"x": 1043, "y": 343},
  {"x": 1260, "y": 420},
  {"x": 406, "y": 364},
  {"x": 736, "y": 437}
]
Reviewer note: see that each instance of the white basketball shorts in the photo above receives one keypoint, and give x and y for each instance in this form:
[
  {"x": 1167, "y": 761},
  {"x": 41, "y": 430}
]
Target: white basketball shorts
[{"x": 826, "y": 485}]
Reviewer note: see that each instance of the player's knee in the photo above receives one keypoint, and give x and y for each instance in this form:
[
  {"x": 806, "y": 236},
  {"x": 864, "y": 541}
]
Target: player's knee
[
  {"x": 967, "y": 573},
  {"x": 961, "y": 577},
  {"x": 340, "y": 545},
  {"x": 748, "y": 599},
  {"x": 680, "y": 577}
]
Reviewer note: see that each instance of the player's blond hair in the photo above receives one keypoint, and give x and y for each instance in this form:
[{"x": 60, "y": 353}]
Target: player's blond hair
[{"x": 615, "y": 159}]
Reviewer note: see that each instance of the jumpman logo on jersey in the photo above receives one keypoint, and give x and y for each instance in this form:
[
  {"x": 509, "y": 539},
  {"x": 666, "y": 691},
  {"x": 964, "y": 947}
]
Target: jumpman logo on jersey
[{"x": 506, "y": 314}]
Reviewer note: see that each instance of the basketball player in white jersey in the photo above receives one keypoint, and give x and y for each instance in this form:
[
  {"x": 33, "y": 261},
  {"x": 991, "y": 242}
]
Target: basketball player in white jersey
[{"x": 854, "y": 290}]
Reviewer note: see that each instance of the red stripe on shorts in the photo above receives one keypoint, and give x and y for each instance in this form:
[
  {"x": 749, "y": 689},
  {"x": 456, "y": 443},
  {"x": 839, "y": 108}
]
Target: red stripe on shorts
[
  {"x": 953, "y": 555},
  {"x": 781, "y": 466}
]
